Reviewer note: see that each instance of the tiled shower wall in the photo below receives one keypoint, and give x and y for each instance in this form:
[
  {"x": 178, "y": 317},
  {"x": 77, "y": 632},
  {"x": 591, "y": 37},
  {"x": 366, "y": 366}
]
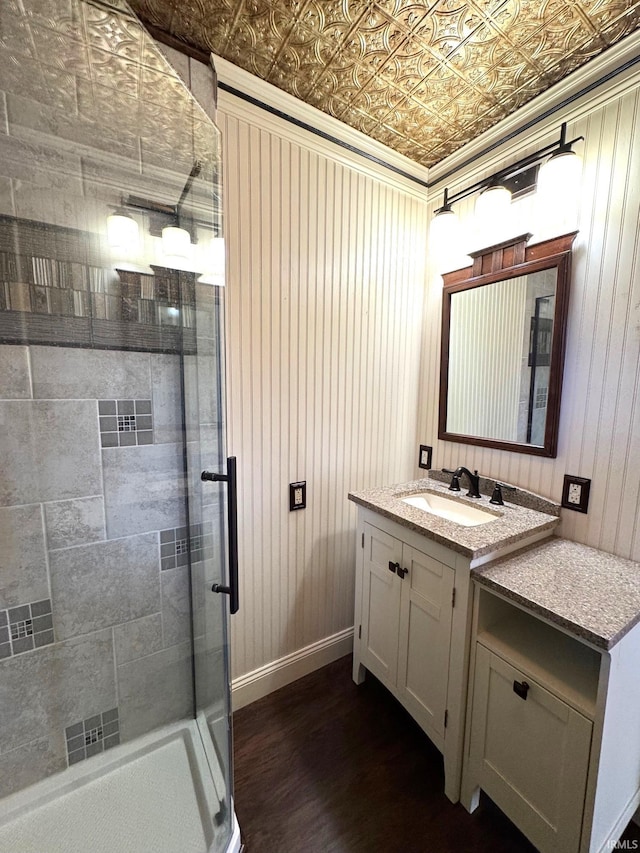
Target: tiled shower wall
[{"x": 95, "y": 621}]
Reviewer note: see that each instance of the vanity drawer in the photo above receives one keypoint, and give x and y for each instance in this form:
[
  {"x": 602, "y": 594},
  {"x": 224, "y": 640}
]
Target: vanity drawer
[{"x": 529, "y": 751}]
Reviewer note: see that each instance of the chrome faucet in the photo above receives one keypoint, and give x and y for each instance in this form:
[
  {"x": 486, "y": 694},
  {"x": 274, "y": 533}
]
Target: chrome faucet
[{"x": 474, "y": 481}]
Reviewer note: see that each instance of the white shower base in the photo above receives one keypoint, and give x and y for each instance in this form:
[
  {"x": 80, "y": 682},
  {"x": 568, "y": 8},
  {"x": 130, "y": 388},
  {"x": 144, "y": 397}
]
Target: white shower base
[{"x": 154, "y": 795}]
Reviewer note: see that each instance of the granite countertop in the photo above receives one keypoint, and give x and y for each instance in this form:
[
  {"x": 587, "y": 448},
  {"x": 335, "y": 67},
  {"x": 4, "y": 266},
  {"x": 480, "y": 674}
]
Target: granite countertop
[
  {"x": 512, "y": 523},
  {"x": 591, "y": 594}
]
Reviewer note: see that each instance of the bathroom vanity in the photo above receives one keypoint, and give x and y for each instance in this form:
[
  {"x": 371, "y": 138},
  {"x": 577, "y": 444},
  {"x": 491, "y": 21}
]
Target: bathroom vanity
[
  {"x": 553, "y": 732},
  {"x": 413, "y": 597}
]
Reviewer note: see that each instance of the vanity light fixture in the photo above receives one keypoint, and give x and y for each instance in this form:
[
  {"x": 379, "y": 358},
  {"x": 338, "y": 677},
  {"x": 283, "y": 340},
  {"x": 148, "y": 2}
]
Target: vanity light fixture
[
  {"x": 494, "y": 199},
  {"x": 181, "y": 240}
]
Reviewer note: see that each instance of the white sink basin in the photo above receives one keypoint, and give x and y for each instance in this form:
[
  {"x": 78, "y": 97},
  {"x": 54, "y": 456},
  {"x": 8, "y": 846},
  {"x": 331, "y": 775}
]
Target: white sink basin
[{"x": 461, "y": 513}]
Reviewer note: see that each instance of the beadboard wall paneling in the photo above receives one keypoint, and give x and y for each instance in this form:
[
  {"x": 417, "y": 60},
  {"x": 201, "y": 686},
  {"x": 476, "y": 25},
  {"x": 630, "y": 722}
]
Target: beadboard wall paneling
[
  {"x": 324, "y": 306},
  {"x": 600, "y": 417}
]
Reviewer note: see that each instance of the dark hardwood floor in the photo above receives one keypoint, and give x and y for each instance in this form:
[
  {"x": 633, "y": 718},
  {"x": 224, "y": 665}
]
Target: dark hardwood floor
[{"x": 324, "y": 766}]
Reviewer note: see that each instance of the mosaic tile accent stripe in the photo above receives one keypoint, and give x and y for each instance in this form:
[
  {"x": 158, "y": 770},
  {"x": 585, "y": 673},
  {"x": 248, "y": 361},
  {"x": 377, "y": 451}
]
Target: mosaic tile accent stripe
[
  {"x": 92, "y": 736},
  {"x": 125, "y": 423},
  {"x": 24, "y": 628},
  {"x": 55, "y": 287},
  {"x": 174, "y": 545}
]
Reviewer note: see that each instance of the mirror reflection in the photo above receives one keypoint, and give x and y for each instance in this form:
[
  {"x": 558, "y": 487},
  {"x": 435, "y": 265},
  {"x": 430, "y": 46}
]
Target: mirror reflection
[{"x": 500, "y": 340}]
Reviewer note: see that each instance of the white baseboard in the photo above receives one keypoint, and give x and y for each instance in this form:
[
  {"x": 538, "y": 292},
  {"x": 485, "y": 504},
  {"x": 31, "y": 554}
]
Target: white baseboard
[{"x": 272, "y": 676}]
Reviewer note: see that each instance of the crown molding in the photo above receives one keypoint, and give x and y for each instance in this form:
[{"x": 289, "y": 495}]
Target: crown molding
[
  {"x": 606, "y": 76},
  {"x": 346, "y": 138}
]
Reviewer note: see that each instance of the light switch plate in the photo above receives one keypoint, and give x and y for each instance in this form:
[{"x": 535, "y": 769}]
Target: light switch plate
[
  {"x": 424, "y": 459},
  {"x": 575, "y": 493},
  {"x": 297, "y": 495}
]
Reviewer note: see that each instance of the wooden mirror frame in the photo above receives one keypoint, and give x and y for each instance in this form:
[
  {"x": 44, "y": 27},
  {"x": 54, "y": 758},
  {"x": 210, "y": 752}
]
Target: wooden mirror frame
[{"x": 507, "y": 260}]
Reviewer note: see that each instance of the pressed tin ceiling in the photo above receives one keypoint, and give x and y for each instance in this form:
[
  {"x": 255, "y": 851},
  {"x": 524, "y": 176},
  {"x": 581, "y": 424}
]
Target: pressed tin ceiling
[{"x": 424, "y": 77}]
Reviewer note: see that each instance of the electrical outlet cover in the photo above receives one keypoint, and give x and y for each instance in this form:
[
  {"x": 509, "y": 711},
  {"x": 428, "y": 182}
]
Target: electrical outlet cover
[
  {"x": 575, "y": 493},
  {"x": 297, "y": 495},
  {"x": 424, "y": 459}
]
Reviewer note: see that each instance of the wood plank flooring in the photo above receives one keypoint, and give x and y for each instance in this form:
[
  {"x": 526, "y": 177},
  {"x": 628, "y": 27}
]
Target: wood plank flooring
[{"x": 324, "y": 766}]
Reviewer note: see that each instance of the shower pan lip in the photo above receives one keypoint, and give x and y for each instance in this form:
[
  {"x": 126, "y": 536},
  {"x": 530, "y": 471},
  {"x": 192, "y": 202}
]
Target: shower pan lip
[{"x": 175, "y": 750}]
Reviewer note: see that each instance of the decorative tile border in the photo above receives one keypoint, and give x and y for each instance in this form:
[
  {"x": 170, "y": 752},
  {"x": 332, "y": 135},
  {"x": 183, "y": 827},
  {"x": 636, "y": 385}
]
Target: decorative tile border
[
  {"x": 125, "y": 423},
  {"x": 61, "y": 271},
  {"x": 24, "y": 628},
  {"x": 174, "y": 545},
  {"x": 58, "y": 289},
  {"x": 92, "y": 736}
]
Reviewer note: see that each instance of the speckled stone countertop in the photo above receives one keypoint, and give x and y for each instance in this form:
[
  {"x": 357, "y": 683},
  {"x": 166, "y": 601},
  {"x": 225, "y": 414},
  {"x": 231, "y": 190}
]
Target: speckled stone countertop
[
  {"x": 592, "y": 594},
  {"x": 512, "y": 523}
]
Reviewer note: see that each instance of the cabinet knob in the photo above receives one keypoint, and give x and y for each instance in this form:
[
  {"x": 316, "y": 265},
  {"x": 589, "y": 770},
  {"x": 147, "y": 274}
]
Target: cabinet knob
[
  {"x": 394, "y": 567},
  {"x": 521, "y": 688},
  {"x": 402, "y": 572}
]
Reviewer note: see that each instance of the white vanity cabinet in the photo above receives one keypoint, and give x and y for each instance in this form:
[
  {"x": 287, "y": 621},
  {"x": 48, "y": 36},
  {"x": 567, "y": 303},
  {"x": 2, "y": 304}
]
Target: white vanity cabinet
[
  {"x": 553, "y": 722},
  {"x": 412, "y": 620},
  {"x": 412, "y": 628},
  {"x": 405, "y": 625}
]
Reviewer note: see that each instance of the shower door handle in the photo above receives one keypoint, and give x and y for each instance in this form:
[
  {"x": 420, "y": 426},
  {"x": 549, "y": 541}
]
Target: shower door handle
[{"x": 232, "y": 527}]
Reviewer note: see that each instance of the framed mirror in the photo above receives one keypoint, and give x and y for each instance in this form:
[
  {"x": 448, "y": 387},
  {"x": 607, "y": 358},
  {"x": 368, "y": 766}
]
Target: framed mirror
[{"x": 503, "y": 338}]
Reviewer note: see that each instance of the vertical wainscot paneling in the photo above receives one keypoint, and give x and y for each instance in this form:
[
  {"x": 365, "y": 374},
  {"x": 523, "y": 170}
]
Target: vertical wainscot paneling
[
  {"x": 600, "y": 417},
  {"x": 326, "y": 272}
]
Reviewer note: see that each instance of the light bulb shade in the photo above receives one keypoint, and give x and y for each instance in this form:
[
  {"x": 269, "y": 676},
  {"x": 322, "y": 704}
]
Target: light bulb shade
[
  {"x": 213, "y": 263},
  {"x": 122, "y": 235},
  {"x": 443, "y": 227},
  {"x": 559, "y": 178},
  {"x": 493, "y": 204},
  {"x": 176, "y": 242},
  {"x": 444, "y": 239}
]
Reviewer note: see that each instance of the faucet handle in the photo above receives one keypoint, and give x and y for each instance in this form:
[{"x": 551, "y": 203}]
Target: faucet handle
[
  {"x": 496, "y": 497},
  {"x": 455, "y": 482}
]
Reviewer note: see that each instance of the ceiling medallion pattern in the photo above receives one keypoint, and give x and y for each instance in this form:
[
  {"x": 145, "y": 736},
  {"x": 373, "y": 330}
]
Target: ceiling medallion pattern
[{"x": 421, "y": 76}]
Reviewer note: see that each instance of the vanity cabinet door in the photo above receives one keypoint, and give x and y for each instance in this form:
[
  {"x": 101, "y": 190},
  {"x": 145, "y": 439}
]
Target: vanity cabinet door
[
  {"x": 530, "y": 752},
  {"x": 381, "y": 589},
  {"x": 425, "y": 638}
]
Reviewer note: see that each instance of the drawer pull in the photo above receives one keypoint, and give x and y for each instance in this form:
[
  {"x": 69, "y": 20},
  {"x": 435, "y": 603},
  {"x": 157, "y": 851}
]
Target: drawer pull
[{"x": 521, "y": 688}]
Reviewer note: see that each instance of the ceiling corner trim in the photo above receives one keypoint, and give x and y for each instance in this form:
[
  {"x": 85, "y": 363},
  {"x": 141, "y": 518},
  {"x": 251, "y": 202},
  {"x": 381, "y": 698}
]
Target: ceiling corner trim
[
  {"x": 610, "y": 72},
  {"x": 236, "y": 81}
]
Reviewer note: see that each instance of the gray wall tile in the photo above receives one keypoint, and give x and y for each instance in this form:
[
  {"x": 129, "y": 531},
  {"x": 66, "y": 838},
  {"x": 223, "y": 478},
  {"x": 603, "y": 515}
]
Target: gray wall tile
[
  {"x": 144, "y": 488},
  {"x": 15, "y": 377},
  {"x": 28, "y": 764},
  {"x": 75, "y": 522},
  {"x": 50, "y": 450},
  {"x": 19, "y": 482},
  {"x": 23, "y": 561},
  {"x": 66, "y": 373},
  {"x": 201, "y": 390},
  {"x": 176, "y": 606},
  {"x": 155, "y": 690},
  {"x": 205, "y": 452},
  {"x": 106, "y": 583},
  {"x": 136, "y": 639},
  {"x": 167, "y": 398},
  {"x": 46, "y": 691}
]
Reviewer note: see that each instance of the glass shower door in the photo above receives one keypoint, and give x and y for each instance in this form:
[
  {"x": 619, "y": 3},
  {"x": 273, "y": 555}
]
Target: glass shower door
[
  {"x": 114, "y": 699},
  {"x": 209, "y": 504}
]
